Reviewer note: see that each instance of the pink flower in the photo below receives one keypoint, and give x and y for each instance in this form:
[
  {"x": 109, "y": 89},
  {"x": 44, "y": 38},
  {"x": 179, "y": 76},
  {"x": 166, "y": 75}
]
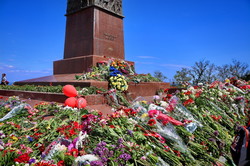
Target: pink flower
[
  {"x": 165, "y": 119},
  {"x": 8, "y": 144},
  {"x": 156, "y": 97},
  {"x": 71, "y": 146},
  {"x": 29, "y": 150},
  {"x": 153, "y": 113},
  {"x": 22, "y": 146}
]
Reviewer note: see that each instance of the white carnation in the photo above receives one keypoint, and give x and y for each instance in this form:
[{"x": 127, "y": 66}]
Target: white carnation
[{"x": 86, "y": 158}]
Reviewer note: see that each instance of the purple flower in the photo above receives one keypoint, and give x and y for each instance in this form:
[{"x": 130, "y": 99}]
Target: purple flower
[
  {"x": 96, "y": 163},
  {"x": 130, "y": 132},
  {"x": 103, "y": 152},
  {"x": 216, "y": 133},
  {"x": 32, "y": 161},
  {"x": 102, "y": 143},
  {"x": 125, "y": 156},
  {"x": 104, "y": 159},
  {"x": 120, "y": 141},
  {"x": 43, "y": 155},
  {"x": 211, "y": 139}
]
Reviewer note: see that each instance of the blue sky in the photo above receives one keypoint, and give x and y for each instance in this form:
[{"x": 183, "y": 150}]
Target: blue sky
[{"x": 163, "y": 35}]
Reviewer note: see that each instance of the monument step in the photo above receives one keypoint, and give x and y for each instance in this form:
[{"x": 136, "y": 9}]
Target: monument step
[
  {"x": 52, "y": 97},
  {"x": 137, "y": 89}
]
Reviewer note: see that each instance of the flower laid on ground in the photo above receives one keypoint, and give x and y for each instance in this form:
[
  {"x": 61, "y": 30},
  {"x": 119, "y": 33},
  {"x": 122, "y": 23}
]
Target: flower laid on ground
[{"x": 193, "y": 127}]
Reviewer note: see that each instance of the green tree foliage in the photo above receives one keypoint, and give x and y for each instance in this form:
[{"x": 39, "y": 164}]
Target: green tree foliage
[
  {"x": 159, "y": 75},
  {"x": 182, "y": 75}
]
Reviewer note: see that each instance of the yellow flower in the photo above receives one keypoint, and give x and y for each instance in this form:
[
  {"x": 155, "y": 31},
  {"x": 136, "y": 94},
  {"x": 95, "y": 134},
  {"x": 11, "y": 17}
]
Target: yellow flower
[
  {"x": 126, "y": 88},
  {"x": 144, "y": 115},
  {"x": 48, "y": 127},
  {"x": 14, "y": 138},
  {"x": 144, "y": 102}
]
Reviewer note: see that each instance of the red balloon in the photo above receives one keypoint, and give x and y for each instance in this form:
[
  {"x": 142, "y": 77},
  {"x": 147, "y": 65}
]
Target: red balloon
[
  {"x": 71, "y": 102},
  {"x": 69, "y": 91},
  {"x": 81, "y": 103}
]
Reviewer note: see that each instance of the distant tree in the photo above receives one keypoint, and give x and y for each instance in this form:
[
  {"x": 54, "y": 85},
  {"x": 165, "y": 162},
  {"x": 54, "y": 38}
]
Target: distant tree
[
  {"x": 223, "y": 72},
  {"x": 238, "y": 69},
  {"x": 159, "y": 75},
  {"x": 210, "y": 73},
  {"x": 246, "y": 77},
  {"x": 198, "y": 71},
  {"x": 182, "y": 75},
  {"x": 206, "y": 72}
]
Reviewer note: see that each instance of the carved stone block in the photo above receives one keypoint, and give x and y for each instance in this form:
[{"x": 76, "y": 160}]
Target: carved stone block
[{"x": 114, "y": 6}]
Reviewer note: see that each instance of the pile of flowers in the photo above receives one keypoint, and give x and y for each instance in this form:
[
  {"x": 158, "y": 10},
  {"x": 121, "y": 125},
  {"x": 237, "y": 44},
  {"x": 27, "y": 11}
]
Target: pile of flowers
[
  {"x": 118, "y": 73},
  {"x": 192, "y": 127}
]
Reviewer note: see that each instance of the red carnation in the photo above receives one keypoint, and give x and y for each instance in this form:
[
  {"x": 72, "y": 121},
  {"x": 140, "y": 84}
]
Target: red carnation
[
  {"x": 74, "y": 152},
  {"x": 151, "y": 122},
  {"x": 188, "y": 93},
  {"x": 60, "y": 163},
  {"x": 111, "y": 126},
  {"x": 44, "y": 164},
  {"x": 187, "y": 102},
  {"x": 24, "y": 158}
]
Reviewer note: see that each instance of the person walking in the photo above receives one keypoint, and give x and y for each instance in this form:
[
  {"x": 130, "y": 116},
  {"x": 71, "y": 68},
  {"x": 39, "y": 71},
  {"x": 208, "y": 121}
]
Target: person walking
[{"x": 4, "y": 80}]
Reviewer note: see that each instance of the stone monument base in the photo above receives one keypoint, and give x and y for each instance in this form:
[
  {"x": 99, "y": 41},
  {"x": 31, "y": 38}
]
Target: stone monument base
[
  {"x": 135, "y": 89},
  {"x": 80, "y": 64}
]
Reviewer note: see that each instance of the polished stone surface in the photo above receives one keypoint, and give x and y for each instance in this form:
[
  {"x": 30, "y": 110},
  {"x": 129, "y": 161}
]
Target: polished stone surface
[
  {"x": 93, "y": 31},
  {"x": 79, "y": 64}
]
